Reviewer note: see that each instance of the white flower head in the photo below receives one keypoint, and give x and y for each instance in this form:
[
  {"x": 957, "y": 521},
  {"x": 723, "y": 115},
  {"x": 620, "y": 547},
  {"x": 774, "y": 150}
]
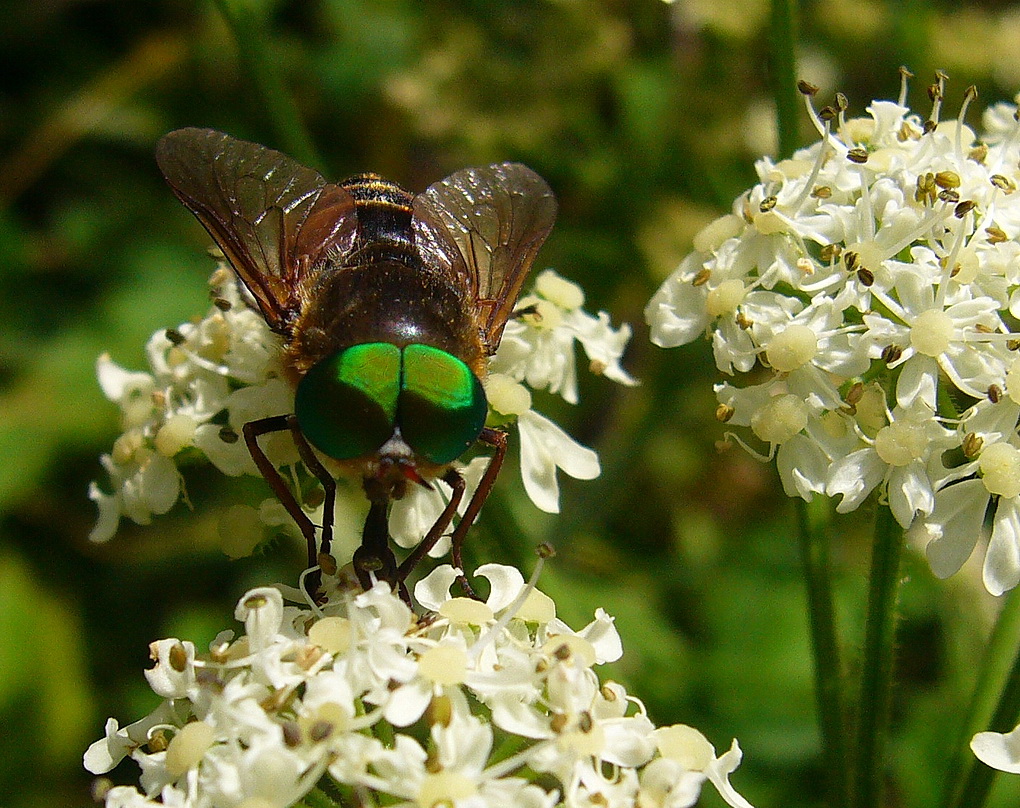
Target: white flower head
[
  {"x": 859, "y": 279},
  {"x": 538, "y": 347},
  {"x": 177, "y": 407},
  {"x": 307, "y": 692}
]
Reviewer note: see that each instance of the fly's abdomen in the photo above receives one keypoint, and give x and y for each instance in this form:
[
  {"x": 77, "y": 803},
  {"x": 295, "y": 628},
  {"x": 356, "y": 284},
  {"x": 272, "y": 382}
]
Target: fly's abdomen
[{"x": 383, "y": 208}]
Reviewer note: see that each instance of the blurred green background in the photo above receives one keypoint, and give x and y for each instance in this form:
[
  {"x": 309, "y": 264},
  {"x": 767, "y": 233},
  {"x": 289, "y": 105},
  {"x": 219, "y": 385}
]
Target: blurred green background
[{"x": 645, "y": 118}]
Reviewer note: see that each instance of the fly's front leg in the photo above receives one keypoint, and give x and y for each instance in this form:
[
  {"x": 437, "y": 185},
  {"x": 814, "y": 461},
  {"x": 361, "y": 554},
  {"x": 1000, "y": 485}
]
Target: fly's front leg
[
  {"x": 264, "y": 426},
  {"x": 495, "y": 438},
  {"x": 314, "y": 465},
  {"x": 453, "y": 479},
  {"x": 374, "y": 556}
]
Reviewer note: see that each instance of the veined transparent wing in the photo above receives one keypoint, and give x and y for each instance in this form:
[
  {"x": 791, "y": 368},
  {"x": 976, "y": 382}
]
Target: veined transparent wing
[
  {"x": 486, "y": 225},
  {"x": 274, "y": 219}
]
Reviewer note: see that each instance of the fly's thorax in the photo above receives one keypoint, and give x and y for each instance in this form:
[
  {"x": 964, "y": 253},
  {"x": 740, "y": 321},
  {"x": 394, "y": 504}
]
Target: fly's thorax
[
  {"x": 373, "y": 399},
  {"x": 388, "y": 296}
]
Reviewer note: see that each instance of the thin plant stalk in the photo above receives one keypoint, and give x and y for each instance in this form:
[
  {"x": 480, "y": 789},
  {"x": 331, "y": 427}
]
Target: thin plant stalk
[
  {"x": 318, "y": 798},
  {"x": 968, "y": 779},
  {"x": 255, "y": 54},
  {"x": 784, "y": 75},
  {"x": 812, "y": 520},
  {"x": 877, "y": 664}
]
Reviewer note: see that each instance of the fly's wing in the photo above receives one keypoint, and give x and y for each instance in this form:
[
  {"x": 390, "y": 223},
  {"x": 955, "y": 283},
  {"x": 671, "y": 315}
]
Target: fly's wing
[
  {"x": 485, "y": 226},
  {"x": 274, "y": 219}
]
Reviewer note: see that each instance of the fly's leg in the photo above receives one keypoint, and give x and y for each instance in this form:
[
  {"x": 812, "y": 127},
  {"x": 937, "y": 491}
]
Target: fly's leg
[
  {"x": 497, "y": 439},
  {"x": 456, "y": 482},
  {"x": 314, "y": 465},
  {"x": 253, "y": 430},
  {"x": 374, "y": 556}
]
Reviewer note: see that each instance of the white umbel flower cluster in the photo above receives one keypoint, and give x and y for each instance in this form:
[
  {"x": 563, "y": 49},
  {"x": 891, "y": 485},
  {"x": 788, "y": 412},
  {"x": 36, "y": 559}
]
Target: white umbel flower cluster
[
  {"x": 208, "y": 378},
  {"x": 473, "y": 704},
  {"x": 864, "y": 295}
]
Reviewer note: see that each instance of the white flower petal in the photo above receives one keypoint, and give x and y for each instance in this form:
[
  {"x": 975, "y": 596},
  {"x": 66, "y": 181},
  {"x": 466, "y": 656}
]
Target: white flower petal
[
  {"x": 544, "y": 448},
  {"x": 119, "y": 741},
  {"x": 505, "y": 584},
  {"x": 917, "y": 382},
  {"x": 230, "y": 457},
  {"x": 119, "y": 384},
  {"x": 954, "y": 526},
  {"x": 603, "y": 344},
  {"x": 1002, "y": 560},
  {"x": 412, "y": 516},
  {"x": 174, "y": 671},
  {"x": 998, "y": 750},
  {"x": 161, "y": 483},
  {"x": 855, "y": 476},
  {"x": 261, "y": 610},
  {"x": 802, "y": 467},
  {"x": 676, "y": 313},
  {"x": 629, "y": 742},
  {"x": 109, "y": 514},
  {"x": 719, "y": 772},
  {"x": 910, "y": 492},
  {"x": 408, "y": 702},
  {"x": 603, "y": 636},
  {"x": 514, "y": 716},
  {"x": 433, "y": 590}
]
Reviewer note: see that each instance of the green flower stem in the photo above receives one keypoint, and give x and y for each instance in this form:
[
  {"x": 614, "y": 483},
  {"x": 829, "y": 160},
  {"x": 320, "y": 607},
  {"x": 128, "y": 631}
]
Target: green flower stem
[
  {"x": 877, "y": 665},
  {"x": 784, "y": 75},
  {"x": 253, "y": 49},
  {"x": 318, "y": 798},
  {"x": 812, "y": 520},
  {"x": 968, "y": 779}
]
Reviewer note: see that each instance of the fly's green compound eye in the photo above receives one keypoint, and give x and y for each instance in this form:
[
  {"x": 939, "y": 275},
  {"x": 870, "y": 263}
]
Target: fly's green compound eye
[
  {"x": 442, "y": 404},
  {"x": 347, "y": 403}
]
